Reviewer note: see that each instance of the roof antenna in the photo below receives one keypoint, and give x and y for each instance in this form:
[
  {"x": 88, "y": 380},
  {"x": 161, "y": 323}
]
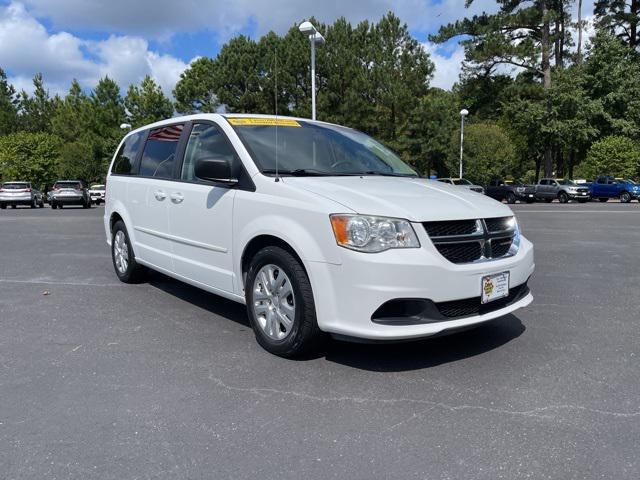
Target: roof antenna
[{"x": 275, "y": 59}]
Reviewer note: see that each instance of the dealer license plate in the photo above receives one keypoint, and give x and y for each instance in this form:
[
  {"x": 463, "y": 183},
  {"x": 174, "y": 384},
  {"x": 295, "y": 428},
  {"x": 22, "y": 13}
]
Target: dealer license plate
[{"x": 495, "y": 287}]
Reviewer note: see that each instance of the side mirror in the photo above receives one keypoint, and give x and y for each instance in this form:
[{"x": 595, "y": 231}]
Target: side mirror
[{"x": 215, "y": 169}]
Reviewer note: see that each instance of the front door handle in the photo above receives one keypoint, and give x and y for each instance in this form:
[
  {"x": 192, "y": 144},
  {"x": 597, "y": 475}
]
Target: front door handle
[
  {"x": 160, "y": 195},
  {"x": 177, "y": 197}
]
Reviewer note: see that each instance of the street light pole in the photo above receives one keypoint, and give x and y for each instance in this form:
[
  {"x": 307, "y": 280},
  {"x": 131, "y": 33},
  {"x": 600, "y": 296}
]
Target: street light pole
[
  {"x": 313, "y": 76},
  {"x": 315, "y": 37},
  {"x": 463, "y": 113}
]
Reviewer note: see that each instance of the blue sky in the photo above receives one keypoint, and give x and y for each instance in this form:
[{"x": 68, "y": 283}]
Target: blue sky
[{"x": 127, "y": 39}]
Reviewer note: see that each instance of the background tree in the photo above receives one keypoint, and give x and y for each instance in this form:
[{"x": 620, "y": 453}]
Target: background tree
[
  {"x": 35, "y": 110},
  {"x": 195, "y": 92},
  {"x": 8, "y": 106},
  {"x": 615, "y": 155},
  {"x": 146, "y": 103},
  {"x": 620, "y": 17},
  {"x": 488, "y": 152},
  {"x": 29, "y": 156}
]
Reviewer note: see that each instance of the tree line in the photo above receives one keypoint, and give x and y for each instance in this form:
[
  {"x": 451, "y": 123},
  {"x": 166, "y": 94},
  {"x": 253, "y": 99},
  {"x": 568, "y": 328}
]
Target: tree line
[{"x": 571, "y": 108}]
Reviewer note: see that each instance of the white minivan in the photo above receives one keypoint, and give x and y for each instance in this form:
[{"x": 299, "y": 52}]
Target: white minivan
[{"x": 317, "y": 228}]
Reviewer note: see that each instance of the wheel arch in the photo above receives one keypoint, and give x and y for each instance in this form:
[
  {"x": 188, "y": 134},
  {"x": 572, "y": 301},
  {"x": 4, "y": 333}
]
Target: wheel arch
[{"x": 259, "y": 242}]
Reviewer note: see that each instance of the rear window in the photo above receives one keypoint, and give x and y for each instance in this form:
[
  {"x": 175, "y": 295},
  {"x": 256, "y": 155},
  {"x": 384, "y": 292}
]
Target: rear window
[
  {"x": 125, "y": 160},
  {"x": 74, "y": 185},
  {"x": 15, "y": 186},
  {"x": 159, "y": 155},
  {"x": 97, "y": 187}
]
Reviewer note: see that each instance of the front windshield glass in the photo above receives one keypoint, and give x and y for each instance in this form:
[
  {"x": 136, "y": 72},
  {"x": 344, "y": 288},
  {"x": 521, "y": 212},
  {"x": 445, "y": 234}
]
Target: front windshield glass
[
  {"x": 305, "y": 148},
  {"x": 462, "y": 181},
  {"x": 566, "y": 182}
]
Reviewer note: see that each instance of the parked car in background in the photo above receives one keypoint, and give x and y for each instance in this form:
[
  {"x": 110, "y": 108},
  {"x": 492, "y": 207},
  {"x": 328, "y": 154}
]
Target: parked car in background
[
  {"x": 96, "y": 192},
  {"x": 462, "y": 182},
  {"x": 549, "y": 189},
  {"x": 318, "y": 229},
  {"x": 500, "y": 189},
  {"x": 606, "y": 187},
  {"x": 69, "y": 192},
  {"x": 13, "y": 194}
]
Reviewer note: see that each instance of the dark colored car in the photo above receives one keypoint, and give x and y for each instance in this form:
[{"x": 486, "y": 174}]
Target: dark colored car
[
  {"x": 606, "y": 187},
  {"x": 69, "y": 192},
  {"x": 13, "y": 194},
  {"x": 500, "y": 189}
]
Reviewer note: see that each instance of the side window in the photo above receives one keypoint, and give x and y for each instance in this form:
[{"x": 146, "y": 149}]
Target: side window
[
  {"x": 553, "y": 183},
  {"x": 126, "y": 157},
  {"x": 205, "y": 141},
  {"x": 601, "y": 181},
  {"x": 544, "y": 181},
  {"x": 159, "y": 155}
]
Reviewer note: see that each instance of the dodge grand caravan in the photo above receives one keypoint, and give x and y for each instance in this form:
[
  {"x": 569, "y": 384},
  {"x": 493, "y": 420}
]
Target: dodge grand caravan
[{"x": 317, "y": 228}]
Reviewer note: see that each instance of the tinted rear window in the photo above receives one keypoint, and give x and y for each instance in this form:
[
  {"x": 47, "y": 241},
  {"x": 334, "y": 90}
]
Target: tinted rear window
[
  {"x": 15, "y": 186},
  {"x": 159, "y": 155},
  {"x": 125, "y": 160},
  {"x": 74, "y": 185}
]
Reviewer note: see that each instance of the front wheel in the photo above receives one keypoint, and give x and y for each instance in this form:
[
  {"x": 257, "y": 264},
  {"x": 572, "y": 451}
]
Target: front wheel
[
  {"x": 280, "y": 304},
  {"x": 563, "y": 197},
  {"x": 124, "y": 261},
  {"x": 625, "y": 197},
  {"x": 511, "y": 198},
  {"x": 54, "y": 205}
]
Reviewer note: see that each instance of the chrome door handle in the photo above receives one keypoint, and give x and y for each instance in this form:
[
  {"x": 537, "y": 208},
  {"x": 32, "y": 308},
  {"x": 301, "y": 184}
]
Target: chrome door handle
[
  {"x": 160, "y": 195},
  {"x": 177, "y": 197}
]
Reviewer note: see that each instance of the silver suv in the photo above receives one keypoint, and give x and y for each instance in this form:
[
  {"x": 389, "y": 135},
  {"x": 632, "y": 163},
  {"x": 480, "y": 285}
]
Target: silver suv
[
  {"x": 20, "y": 193},
  {"x": 548, "y": 189},
  {"x": 69, "y": 192}
]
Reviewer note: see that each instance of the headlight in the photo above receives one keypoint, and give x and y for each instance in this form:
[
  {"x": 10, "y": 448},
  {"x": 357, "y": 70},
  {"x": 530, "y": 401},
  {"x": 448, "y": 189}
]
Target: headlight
[
  {"x": 369, "y": 234},
  {"x": 515, "y": 244},
  {"x": 519, "y": 189}
]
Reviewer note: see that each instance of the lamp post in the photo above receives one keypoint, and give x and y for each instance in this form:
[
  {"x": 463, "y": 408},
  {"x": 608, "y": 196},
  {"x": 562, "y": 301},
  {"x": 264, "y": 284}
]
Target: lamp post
[
  {"x": 314, "y": 38},
  {"x": 125, "y": 126},
  {"x": 463, "y": 113}
]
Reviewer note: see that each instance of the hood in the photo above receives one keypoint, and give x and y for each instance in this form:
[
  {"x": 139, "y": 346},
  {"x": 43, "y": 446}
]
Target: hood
[{"x": 414, "y": 199}]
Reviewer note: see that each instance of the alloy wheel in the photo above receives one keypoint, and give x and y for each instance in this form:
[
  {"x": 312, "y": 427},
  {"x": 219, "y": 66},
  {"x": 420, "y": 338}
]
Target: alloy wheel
[{"x": 274, "y": 304}]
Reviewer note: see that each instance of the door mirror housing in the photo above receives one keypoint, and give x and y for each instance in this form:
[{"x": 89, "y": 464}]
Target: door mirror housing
[{"x": 215, "y": 169}]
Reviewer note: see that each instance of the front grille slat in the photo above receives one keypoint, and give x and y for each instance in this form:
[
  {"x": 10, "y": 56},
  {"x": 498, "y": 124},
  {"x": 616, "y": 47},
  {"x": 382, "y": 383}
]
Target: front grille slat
[{"x": 468, "y": 241}]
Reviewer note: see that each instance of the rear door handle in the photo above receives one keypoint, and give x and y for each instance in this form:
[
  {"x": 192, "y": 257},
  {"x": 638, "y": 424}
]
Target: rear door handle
[
  {"x": 177, "y": 197},
  {"x": 160, "y": 195}
]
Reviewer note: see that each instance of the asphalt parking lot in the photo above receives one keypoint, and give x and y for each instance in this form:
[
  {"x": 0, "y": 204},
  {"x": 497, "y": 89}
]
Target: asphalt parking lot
[{"x": 104, "y": 380}]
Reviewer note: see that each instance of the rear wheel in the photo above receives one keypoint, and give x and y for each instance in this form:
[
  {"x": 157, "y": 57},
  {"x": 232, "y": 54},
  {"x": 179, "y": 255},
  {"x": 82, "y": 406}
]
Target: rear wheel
[
  {"x": 280, "y": 304},
  {"x": 625, "y": 197},
  {"x": 124, "y": 261},
  {"x": 3, "y": 206}
]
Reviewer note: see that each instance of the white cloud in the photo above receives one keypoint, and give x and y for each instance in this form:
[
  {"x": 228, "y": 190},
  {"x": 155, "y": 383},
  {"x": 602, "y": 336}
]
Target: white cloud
[
  {"x": 162, "y": 18},
  {"x": 448, "y": 62},
  {"x": 27, "y": 48}
]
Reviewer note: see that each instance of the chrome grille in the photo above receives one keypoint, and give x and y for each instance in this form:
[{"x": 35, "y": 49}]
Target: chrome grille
[{"x": 468, "y": 241}]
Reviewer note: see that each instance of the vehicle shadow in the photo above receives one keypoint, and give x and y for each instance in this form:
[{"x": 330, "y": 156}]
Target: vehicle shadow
[
  {"x": 378, "y": 357},
  {"x": 428, "y": 352}
]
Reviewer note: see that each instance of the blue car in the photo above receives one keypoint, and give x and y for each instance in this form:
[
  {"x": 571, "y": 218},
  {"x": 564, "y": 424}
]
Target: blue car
[{"x": 606, "y": 187}]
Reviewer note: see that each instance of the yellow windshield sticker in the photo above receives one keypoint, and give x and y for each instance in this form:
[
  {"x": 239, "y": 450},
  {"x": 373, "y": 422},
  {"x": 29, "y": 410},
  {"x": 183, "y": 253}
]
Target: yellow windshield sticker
[{"x": 272, "y": 122}]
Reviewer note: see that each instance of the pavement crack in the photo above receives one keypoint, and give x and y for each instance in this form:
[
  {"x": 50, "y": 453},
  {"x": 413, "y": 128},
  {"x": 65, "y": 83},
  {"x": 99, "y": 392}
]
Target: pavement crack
[{"x": 540, "y": 412}]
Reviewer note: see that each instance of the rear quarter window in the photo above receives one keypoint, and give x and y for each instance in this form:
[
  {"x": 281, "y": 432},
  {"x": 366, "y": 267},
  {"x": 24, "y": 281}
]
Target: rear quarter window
[{"x": 124, "y": 163}]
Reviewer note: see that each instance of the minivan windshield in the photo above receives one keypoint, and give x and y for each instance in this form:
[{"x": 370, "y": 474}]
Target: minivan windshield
[{"x": 311, "y": 149}]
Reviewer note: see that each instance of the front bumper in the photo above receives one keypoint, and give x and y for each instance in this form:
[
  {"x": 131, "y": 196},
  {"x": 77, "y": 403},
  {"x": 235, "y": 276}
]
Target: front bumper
[
  {"x": 347, "y": 295},
  {"x": 579, "y": 196}
]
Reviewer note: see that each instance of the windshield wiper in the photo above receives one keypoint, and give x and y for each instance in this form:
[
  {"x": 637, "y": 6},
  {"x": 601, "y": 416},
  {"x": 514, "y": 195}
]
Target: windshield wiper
[
  {"x": 302, "y": 172},
  {"x": 386, "y": 174}
]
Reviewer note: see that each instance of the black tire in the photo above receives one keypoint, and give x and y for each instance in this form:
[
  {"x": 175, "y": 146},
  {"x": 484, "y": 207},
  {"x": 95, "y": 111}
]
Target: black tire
[
  {"x": 135, "y": 273},
  {"x": 625, "y": 197},
  {"x": 305, "y": 335},
  {"x": 34, "y": 204},
  {"x": 511, "y": 198},
  {"x": 60, "y": 205},
  {"x": 563, "y": 197},
  {"x": 530, "y": 200},
  {"x": 14, "y": 206},
  {"x": 603, "y": 199},
  {"x": 86, "y": 205},
  {"x": 3, "y": 206},
  {"x": 41, "y": 204},
  {"x": 53, "y": 205}
]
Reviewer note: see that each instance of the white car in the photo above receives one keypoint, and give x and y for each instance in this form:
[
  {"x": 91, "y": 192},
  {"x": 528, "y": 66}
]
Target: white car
[
  {"x": 317, "y": 228},
  {"x": 96, "y": 192},
  {"x": 464, "y": 183}
]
